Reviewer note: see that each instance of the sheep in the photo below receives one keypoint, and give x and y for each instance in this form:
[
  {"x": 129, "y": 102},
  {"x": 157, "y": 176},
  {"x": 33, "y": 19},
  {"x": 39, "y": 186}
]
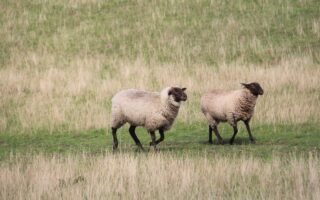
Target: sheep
[
  {"x": 152, "y": 110},
  {"x": 230, "y": 106}
]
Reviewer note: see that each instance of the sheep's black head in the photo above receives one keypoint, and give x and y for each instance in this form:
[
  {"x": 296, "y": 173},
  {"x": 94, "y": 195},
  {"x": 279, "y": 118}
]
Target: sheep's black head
[
  {"x": 178, "y": 94},
  {"x": 254, "y": 88}
]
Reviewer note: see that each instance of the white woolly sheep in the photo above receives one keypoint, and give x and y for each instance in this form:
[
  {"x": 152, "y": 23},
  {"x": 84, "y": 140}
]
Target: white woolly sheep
[
  {"x": 230, "y": 106},
  {"x": 152, "y": 110}
]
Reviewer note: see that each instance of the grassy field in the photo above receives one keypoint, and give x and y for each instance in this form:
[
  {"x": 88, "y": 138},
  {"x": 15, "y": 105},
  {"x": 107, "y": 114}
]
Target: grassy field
[
  {"x": 62, "y": 61},
  {"x": 278, "y": 140},
  {"x": 159, "y": 176}
]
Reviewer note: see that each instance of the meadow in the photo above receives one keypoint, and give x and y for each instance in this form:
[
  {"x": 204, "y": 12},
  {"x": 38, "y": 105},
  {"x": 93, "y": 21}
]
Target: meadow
[{"x": 62, "y": 61}]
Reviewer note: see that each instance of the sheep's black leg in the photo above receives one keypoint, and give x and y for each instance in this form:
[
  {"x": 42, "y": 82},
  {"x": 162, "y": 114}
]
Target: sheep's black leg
[
  {"x": 235, "y": 131},
  {"x": 134, "y": 137},
  {"x": 153, "y": 138},
  {"x": 161, "y": 132},
  {"x": 115, "y": 139},
  {"x": 210, "y": 135},
  {"x": 249, "y": 131},
  {"x": 216, "y": 132}
]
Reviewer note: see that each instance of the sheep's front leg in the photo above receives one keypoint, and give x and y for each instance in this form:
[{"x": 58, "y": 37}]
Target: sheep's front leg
[
  {"x": 249, "y": 131},
  {"x": 210, "y": 135},
  {"x": 153, "y": 138},
  {"x": 161, "y": 132}
]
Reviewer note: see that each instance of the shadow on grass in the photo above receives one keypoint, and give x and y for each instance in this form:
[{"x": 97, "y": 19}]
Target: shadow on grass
[{"x": 237, "y": 141}]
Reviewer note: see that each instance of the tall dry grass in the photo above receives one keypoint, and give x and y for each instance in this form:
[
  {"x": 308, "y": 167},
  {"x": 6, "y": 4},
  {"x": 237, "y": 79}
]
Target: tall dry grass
[
  {"x": 48, "y": 96},
  {"x": 159, "y": 176}
]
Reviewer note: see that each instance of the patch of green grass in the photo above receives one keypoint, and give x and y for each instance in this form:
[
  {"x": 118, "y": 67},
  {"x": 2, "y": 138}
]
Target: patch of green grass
[
  {"x": 191, "y": 139},
  {"x": 91, "y": 141}
]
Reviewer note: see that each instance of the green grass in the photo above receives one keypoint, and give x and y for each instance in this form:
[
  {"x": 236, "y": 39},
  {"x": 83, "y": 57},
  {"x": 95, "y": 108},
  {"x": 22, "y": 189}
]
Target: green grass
[
  {"x": 191, "y": 139},
  {"x": 163, "y": 31}
]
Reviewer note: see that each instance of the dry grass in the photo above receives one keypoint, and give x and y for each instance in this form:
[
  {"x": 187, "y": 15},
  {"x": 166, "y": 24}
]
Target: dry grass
[
  {"x": 48, "y": 96},
  {"x": 159, "y": 176}
]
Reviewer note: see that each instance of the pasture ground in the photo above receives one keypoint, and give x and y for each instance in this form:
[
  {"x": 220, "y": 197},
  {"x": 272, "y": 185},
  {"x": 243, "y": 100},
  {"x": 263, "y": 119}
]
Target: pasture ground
[{"x": 281, "y": 140}]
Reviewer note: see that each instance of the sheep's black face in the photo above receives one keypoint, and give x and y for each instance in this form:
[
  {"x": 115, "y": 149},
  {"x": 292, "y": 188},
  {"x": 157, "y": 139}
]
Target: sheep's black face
[
  {"x": 254, "y": 88},
  {"x": 178, "y": 94}
]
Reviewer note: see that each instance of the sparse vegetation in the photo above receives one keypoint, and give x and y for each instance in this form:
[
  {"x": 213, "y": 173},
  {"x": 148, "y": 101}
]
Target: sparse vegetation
[{"x": 159, "y": 176}]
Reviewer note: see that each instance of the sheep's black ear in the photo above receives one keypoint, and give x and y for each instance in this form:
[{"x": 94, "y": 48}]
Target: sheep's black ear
[
  {"x": 183, "y": 89},
  {"x": 169, "y": 93}
]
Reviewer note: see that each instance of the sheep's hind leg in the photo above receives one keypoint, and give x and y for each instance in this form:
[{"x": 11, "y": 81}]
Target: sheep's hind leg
[
  {"x": 115, "y": 139},
  {"x": 235, "y": 131},
  {"x": 134, "y": 137},
  {"x": 216, "y": 132},
  {"x": 249, "y": 131}
]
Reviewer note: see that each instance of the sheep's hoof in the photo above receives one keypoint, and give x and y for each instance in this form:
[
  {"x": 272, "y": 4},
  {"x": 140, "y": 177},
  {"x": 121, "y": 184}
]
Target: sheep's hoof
[
  {"x": 114, "y": 149},
  {"x": 253, "y": 141},
  {"x": 231, "y": 142},
  {"x": 210, "y": 142},
  {"x": 154, "y": 149},
  {"x": 221, "y": 142}
]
